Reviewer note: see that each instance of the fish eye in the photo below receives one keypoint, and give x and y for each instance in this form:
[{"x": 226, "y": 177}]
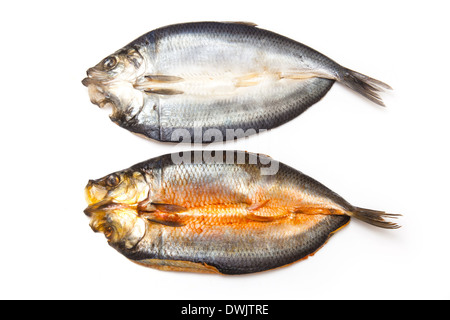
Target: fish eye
[
  {"x": 113, "y": 180},
  {"x": 109, "y": 63}
]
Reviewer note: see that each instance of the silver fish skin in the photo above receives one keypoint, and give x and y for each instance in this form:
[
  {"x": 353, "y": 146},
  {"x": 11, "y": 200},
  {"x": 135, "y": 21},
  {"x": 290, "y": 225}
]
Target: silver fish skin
[
  {"x": 215, "y": 81},
  {"x": 228, "y": 212}
]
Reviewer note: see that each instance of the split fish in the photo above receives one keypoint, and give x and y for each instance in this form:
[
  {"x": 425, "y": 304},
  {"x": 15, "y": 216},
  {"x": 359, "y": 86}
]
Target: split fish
[
  {"x": 215, "y": 81},
  {"x": 227, "y": 212}
]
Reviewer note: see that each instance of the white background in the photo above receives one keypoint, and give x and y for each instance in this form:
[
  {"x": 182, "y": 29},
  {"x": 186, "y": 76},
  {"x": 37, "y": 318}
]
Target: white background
[{"x": 394, "y": 159}]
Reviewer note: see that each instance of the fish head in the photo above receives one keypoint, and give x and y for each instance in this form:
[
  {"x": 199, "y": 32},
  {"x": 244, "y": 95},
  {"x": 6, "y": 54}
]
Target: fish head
[
  {"x": 111, "y": 81},
  {"x": 126, "y": 187},
  {"x": 112, "y": 202},
  {"x": 120, "y": 224}
]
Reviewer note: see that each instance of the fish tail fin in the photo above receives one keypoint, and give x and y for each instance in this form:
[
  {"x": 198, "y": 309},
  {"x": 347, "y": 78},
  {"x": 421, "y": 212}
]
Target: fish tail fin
[
  {"x": 376, "y": 218},
  {"x": 364, "y": 85}
]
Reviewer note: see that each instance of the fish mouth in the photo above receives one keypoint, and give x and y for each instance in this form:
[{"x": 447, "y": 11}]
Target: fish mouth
[
  {"x": 97, "y": 93},
  {"x": 95, "y": 85},
  {"x": 89, "y": 79},
  {"x": 98, "y": 214},
  {"x": 118, "y": 222},
  {"x": 104, "y": 103},
  {"x": 86, "y": 81}
]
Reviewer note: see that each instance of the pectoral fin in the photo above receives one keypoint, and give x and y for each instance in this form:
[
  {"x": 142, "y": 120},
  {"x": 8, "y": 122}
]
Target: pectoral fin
[
  {"x": 168, "y": 219},
  {"x": 169, "y": 208},
  {"x": 162, "y": 213},
  {"x": 163, "y": 91},
  {"x": 160, "y": 78},
  {"x": 146, "y": 206},
  {"x": 158, "y": 84}
]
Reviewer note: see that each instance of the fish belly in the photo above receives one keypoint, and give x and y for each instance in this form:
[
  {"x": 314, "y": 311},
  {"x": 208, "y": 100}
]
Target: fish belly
[
  {"x": 222, "y": 239},
  {"x": 234, "y": 82}
]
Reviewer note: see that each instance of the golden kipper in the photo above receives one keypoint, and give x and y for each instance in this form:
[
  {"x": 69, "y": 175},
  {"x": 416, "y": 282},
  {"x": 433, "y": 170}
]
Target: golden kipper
[{"x": 226, "y": 212}]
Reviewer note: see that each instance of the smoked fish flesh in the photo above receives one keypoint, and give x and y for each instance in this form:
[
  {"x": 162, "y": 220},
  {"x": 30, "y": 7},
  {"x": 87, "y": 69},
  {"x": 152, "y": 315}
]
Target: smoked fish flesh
[{"x": 227, "y": 212}]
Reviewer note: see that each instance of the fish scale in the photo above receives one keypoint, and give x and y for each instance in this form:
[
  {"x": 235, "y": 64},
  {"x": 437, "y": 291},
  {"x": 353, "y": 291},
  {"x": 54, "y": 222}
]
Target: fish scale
[
  {"x": 215, "y": 81},
  {"x": 243, "y": 247},
  {"x": 221, "y": 214}
]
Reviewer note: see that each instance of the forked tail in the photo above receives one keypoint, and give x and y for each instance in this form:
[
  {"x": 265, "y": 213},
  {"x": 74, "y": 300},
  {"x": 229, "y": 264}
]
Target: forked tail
[
  {"x": 366, "y": 86},
  {"x": 376, "y": 218}
]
